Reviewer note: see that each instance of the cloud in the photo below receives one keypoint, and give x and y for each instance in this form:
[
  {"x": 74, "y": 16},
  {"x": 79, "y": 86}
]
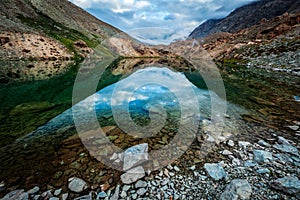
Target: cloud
[{"x": 180, "y": 16}]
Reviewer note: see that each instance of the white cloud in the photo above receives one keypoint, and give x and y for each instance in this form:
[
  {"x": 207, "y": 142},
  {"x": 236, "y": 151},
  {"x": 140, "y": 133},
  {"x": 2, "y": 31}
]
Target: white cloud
[{"x": 180, "y": 16}]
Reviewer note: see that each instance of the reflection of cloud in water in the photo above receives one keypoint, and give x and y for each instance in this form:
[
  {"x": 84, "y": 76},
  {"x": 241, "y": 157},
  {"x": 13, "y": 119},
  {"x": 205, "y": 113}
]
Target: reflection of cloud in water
[{"x": 150, "y": 93}]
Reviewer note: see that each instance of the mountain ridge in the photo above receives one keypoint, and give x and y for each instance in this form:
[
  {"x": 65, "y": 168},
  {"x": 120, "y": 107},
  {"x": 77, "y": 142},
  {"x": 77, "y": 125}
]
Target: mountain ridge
[{"x": 246, "y": 16}]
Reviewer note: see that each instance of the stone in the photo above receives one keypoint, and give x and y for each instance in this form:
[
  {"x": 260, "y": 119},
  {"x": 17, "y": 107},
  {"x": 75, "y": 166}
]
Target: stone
[
  {"x": 262, "y": 156},
  {"x": 284, "y": 158},
  {"x": 47, "y": 194},
  {"x": 215, "y": 171},
  {"x": 135, "y": 155},
  {"x": 37, "y": 197},
  {"x": 289, "y": 185},
  {"x": 237, "y": 189},
  {"x": 34, "y": 190},
  {"x": 263, "y": 171},
  {"x": 126, "y": 188},
  {"x": 230, "y": 143},
  {"x": 101, "y": 195},
  {"x": 226, "y": 152},
  {"x": 54, "y": 198},
  {"x": 140, "y": 184},
  {"x": 294, "y": 128},
  {"x": 176, "y": 169},
  {"x": 85, "y": 197},
  {"x": 250, "y": 163},
  {"x": 123, "y": 194},
  {"x": 16, "y": 194},
  {"x": 133, "y": 175},
  {"x": 77, "y": 185},
  {"x": 57, "y": 192},
  {"x": 141, "y": 191},
  {"x": 65, "y": 196},
  {"x": 244, "y": 144},
  {"x": 2, "y": 186},
  {"x": 263, "y": 143},
  {"x": 115, "y": 196},
  {"x": 134, "y": 196},
  {"x": 287, "y": 148}
]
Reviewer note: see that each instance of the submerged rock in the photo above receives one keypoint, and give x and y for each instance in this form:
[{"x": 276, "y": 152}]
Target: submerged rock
[
  {"x": 215, "y": 171},
  {"x": 237, "y": 189},
  {"x": 289, "y": 185}
]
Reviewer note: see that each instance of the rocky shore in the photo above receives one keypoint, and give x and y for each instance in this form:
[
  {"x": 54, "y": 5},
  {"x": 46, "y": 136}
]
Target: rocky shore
[{"x": 265, "y": 169}]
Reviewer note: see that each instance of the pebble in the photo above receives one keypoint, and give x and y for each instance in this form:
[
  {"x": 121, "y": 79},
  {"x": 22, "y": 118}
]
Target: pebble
[
  {"x": 126, "y": 188},
  {"x": 123, "y": 194},
  {"x": 16, "y": 194},
  {"x": 263, "y": 171},
  {"x": 287, "y": 148},
  {"x": 226, "y": 152},
  {"x": 289, "y": 185},
  {"x": 215, "y": 171},
  {"x": 264, "y": 143},
  {"x": 250, "y": 163},
  {"x": 57, "y": 192},
  {"x": 176, "y": 169},
  {"x": 261, "y": 156},
  {"x": 294, "y": 128},
  {"x": 115, "y": 196},
  {"x": 230, "y": 143},
  {"x": 141, "y": 191},
  {"x": 101, "y": 195},
  {"x": 140, "y": 184},
  {"x": 54, "y": 198},
  {"x": 34, "y": 190},
  {"x": 77, "y": 185},
  {"x": 133, "y": 175},
  {"x": 237, "y": 189},
  {"x": 65, "y": 196},
  {"x": 135, "y": 155},
  {"x": 244, "y": 144}
]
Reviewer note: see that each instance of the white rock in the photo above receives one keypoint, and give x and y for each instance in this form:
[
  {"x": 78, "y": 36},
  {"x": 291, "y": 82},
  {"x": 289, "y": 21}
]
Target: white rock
[
  {"x": 57, "y": 192},
  {"x": 135, "y": 155},
  {"x": 77, "y": 185},
  {"x": 230, "y": 143},
  {"x": 215, "y": 171},
  {"x": 140, "y": 184},
  {"x": 115, "y": 196},
  {"x": 244, "y": 144},
  {"x": 226, "y": 152},
  {"x": 237, "y": 189},
  {"x": 133, "y": 175},
  {"x": 176, "y": 169}
]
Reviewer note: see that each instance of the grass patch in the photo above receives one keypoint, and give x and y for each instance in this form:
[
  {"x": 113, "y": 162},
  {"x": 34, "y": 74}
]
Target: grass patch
[{"x": 61, "y": 33}]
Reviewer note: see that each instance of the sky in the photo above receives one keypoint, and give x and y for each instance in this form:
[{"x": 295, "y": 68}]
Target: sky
[{"x": 158, "y": 21}]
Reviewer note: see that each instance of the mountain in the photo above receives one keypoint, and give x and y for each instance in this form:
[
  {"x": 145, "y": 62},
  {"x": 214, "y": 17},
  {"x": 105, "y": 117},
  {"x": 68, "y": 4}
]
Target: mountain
[
  {"x": 48, "y": 29},
  {"x": 49, "y": 36},
  {"x": 271, "y": 44},
  {"x": 246, "y": 16}
]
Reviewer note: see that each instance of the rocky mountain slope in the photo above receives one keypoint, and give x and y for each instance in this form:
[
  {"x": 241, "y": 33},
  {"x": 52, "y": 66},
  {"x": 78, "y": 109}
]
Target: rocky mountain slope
[
  {"x": 247, "y": 16},
  {"x": 271, "y": 44},
  {"x": 57, "y": 33},
  {"x": 55, "y": 21}
]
